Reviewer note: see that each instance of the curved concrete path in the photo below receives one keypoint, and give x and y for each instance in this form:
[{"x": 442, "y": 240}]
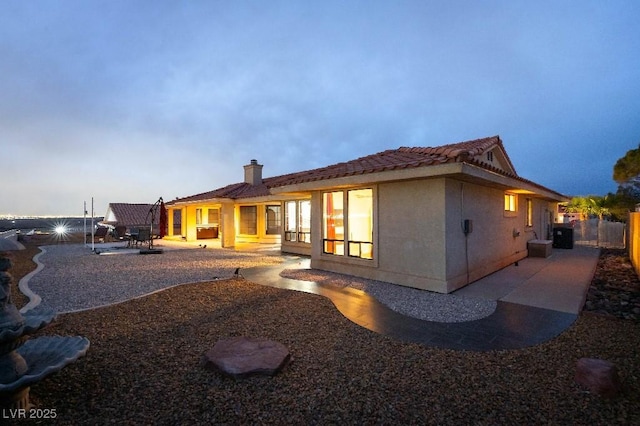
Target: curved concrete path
[{"x": 511, "y": 326}]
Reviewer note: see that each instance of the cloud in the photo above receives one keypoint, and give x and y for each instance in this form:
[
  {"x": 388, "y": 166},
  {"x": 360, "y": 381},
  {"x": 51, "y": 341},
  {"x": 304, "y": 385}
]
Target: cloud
[{"x": 127, "y": 100}]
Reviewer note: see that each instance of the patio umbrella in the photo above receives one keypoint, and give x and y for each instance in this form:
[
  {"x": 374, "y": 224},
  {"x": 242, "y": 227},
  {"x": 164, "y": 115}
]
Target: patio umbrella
[{"x": 163, "y": 220}]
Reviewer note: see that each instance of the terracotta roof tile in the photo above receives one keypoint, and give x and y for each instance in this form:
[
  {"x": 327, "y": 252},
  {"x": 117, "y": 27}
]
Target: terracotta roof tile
[
  {"x": 129, "y": 215},
  {"x": 392, "y": 159}
]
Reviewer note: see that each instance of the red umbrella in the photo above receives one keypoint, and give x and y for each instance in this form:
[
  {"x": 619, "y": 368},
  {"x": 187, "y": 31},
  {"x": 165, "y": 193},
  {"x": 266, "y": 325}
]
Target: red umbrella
[{"x": 163, "y": 220}]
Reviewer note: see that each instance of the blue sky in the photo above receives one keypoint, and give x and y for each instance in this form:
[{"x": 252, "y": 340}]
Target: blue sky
[{"x": 126, "y": 101}]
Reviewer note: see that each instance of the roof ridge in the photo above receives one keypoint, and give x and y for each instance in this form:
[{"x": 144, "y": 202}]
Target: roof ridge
[{"x": 389, "y": 159}]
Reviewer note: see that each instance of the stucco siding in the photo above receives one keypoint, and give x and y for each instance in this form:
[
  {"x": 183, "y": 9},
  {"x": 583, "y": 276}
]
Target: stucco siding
[
  {"x": 496, "y": 239},
  {"x": 411, "y": 228}
]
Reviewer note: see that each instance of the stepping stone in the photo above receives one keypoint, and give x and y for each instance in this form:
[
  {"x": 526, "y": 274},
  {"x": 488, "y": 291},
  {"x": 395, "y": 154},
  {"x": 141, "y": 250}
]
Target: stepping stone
[
  {"x": 599, "y": 376},
  {"x": 244, "y": 356}
]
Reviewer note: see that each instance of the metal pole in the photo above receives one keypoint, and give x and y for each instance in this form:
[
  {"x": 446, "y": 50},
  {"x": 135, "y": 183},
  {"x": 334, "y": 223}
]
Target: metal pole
[
  {"x": 85, "y": 224},
  {"x": 93, "y": 229}
]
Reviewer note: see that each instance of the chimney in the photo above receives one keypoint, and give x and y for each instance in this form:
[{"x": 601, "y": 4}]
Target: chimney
[{"x": 253, "y": 173}]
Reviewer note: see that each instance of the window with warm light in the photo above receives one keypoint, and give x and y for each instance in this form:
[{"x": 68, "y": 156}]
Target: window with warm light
[
  {"x": 290, "y": 222},
  {"x": 333, "y": 222},
  {"x": 297, "y": 217},
  {"x": 213, "y": 216},
  {"x": 510, "y": 202},
  {"x": 354, "y": 236},
  {"x": 304, "y": 221},
  {"x": 248, "y": 220},
  {"x": 274, "y": 220},
  {"x": 360, "y": 223},
  {"x": 529, "y": 218}
]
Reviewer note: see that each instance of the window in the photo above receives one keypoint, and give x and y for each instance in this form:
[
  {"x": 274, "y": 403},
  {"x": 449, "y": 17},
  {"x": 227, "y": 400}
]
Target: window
[
  {"x": 290, "y": 223},
  {"x": 248, "y": 220},
  {"x": 333, "y": 222},
  {"x": 360, "y": 223},
  {"x": 297, "y": 218},
  {"x": 304, "y": 221},
  {"x": 510, "y": 202},
  {"x": 198, "y": 216},
  {"x": 273, "y": 219},
  {"x": 490, "y": 156},
  {"x": 213, "y": 216},
  {"x": 529, "y": 218},
  {"x": 356, "y": 235}
]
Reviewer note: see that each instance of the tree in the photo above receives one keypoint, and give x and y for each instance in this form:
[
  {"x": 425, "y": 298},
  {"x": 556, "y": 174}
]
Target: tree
[
  {"x": 627, "y": 167},
  {"x": 592, "y": 205},
  {"x": 599, "y": 206},
  {"x": 626, "y": 172},
  {"x": 579, "y": 205}
]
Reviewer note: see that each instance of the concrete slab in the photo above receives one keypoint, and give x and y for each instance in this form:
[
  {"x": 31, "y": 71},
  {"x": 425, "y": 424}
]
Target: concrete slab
[{"x": 559, "y": 282}]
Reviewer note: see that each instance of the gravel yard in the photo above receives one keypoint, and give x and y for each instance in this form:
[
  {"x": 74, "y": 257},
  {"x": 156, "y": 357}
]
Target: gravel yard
[
  {"x": 74, "y": 278},
  {"x": 425, "y": 305},
  {"x": 143, "y": 367}
]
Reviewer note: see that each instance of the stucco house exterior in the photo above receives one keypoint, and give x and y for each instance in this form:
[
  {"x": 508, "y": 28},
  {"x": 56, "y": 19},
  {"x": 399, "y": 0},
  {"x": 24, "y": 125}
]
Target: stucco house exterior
[{"x": 434, "y": 218}]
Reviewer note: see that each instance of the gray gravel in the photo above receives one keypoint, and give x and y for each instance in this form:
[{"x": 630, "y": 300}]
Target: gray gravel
[
  {"x": 144, "y": 367},
  {"x": 74, "y": 278},
  {"x": 412, "y": 302}
]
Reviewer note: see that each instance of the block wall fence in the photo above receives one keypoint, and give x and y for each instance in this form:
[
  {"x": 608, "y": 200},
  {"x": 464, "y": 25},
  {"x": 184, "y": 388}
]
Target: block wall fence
[{"x": 634, "y": 240}]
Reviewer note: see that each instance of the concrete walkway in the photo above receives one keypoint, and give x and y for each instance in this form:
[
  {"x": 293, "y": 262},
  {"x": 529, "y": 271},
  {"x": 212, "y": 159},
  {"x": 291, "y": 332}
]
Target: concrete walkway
[
  {"x": 559, "y": 282},
  {"x": 537, "y": 300}
]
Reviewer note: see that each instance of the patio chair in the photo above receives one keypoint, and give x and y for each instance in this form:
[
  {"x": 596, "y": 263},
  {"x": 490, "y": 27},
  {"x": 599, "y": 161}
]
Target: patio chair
[
  {"x": 99, "y": 234},
  {"x": 143, "y": 236},
  {"x": 120, "y": 233}
]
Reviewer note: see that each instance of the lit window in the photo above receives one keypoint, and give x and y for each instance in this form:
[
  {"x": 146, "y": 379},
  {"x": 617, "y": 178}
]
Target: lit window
[
  {"x": 529, "y": 218},
  {"x": 290, "y": 224},
  {"x": 360, "y": 223},
  {"x": 333, "y": 223},
  {"x": 214, "y": 216},
  {"x": 304, "y": 221},
  {"x": 298, "y": 221},
  {"x": 274, "y": 221},
  {"x": 357, "y": 233},
  {"x": 248, "y": 220},
  {"x": 510, "y": 202}
]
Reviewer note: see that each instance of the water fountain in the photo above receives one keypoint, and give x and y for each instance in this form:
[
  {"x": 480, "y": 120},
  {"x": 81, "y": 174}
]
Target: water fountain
[{"x": 24, "y": 362}]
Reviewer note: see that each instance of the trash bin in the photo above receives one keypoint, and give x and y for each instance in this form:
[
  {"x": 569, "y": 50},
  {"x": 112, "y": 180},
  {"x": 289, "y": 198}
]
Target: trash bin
[{"x": 563, "y": 238}]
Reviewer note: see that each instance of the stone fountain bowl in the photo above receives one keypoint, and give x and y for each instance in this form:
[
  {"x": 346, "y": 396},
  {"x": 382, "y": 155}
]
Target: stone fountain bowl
[
  {"x": 29, "y": 322},
  {"x": 46, "y": 355}
]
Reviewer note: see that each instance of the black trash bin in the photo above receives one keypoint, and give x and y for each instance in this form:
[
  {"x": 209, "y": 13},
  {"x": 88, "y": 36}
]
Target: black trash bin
[{"x": 563, "y": 238}]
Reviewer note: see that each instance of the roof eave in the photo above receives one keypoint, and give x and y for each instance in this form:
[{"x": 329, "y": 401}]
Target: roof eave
[
  {"x": 214, "y": 200},
  {"x": 461, "y": 170}
]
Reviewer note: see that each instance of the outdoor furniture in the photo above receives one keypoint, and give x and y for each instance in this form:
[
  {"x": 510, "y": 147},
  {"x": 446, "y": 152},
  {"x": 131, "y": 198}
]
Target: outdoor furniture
[
  {"x": 143, "y": 236},
  {"x": 120, "y": 233},
  {"x": 132, "y": 237},
  {"x": 539, "y": 248},
  {"x": 99, "y": 234}
]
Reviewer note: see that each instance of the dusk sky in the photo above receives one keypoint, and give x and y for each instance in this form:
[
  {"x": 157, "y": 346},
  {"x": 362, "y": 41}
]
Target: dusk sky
[{"x": 127, "y": 101}]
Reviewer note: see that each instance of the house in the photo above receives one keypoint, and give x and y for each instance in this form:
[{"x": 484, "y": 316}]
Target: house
[
  {"x": 130, "y": 216},
  {"x": 433, "y": 218}
]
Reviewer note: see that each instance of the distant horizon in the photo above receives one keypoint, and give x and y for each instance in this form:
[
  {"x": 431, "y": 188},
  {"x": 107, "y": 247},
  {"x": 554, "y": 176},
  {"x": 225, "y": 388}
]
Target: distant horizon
[{"x": 19, "y": 217}]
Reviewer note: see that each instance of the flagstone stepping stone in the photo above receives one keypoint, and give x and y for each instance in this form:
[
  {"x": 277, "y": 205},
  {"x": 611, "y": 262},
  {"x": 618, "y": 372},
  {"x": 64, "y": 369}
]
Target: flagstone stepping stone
[
  {"x": 599, "y": 376},
  {"x": 244, "y": 356}
]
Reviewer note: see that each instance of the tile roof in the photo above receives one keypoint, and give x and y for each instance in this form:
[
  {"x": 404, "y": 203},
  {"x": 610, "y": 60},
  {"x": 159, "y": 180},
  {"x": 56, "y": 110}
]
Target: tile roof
[
  {"x": 392, "y": 159},
  {"x": 127, "y": 214}
]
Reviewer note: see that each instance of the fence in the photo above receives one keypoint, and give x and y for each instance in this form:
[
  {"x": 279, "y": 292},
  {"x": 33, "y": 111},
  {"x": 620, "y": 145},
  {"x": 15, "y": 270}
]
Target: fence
[
  {"x": 634, "y": 240},
  {"x": 599, "y": 233}
]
